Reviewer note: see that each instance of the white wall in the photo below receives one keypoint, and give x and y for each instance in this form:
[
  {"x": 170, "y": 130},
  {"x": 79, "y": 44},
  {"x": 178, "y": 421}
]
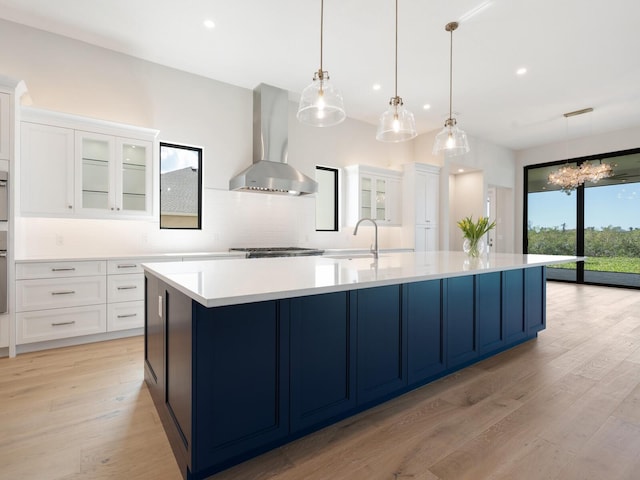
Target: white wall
[
  {"x": 74, "y": 77},
  {"x": 574, "y": 148},
  {"x": 491, "y": 165}
]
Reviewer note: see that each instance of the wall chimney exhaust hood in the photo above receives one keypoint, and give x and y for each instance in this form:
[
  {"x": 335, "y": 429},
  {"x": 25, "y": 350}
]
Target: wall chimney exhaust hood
[{"x": 270, "y": 172}]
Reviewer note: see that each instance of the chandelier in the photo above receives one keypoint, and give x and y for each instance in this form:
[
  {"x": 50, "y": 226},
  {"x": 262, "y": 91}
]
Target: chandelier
[{"x": 568, "y": 178}]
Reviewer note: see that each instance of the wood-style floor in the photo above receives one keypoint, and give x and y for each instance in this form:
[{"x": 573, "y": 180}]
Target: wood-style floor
[{"x": 565, "y": 406}]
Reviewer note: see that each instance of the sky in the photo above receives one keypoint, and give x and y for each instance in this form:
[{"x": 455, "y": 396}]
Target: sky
[
  {"x": 611, "y": 205},
  {"x": 176, "y": 158}
]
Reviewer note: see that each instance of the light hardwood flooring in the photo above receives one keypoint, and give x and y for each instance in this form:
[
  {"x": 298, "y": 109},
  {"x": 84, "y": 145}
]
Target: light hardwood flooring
[{"x": 565, "y": 406}]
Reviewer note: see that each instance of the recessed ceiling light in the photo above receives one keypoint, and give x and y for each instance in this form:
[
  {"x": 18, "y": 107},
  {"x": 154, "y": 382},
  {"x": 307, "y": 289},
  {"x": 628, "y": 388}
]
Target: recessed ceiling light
[
  {"x": 377, "y": 86},
  {"x": 461, "y": 170},
  {"x": 426, "y": 106},
  {"x": 209, "y": 24},
  {"x": 521, "y": 71}
]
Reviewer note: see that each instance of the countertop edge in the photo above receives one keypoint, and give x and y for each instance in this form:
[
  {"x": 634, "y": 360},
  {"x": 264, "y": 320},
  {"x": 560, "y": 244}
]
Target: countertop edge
[{"x": 305, "y": 291}]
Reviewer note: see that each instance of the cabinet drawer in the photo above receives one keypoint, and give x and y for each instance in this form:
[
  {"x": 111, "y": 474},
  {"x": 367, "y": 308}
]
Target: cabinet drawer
[
  {"x": 60, "y": 269},
  {"x": 126, "y": 315},
  {"x": 40, "y": 294},
  {"x": 134, "y": 265},
  {"x": 125, "y": 288},
  {"x": 60, "y": 323}
]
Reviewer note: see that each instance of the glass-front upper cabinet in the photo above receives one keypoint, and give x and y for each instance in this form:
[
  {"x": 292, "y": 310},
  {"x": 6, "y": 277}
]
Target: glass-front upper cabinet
[
  {"x": 113, "y": 174},
  {"x": 134, "y": 175},
  {"x": 373, "y": 192},
  {"x": 96, "y": 162}
]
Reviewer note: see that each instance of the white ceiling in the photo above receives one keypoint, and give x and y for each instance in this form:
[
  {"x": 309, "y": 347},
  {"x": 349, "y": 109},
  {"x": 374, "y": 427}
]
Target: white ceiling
[{"x": 578, "y": 53}]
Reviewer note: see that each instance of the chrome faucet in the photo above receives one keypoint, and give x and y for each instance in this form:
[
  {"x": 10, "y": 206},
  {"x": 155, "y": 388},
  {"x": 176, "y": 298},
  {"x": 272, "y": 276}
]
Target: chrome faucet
[{"x": 374, "y": 247}]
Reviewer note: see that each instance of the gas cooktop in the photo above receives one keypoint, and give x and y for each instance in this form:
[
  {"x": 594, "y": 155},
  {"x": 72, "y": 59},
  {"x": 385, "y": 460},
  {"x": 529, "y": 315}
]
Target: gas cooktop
[{"x": 262, "y": 252}]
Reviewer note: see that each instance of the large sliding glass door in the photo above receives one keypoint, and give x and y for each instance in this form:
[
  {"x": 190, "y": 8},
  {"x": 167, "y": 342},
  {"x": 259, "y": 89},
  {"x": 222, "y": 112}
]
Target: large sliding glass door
[
  {"x": 598, "y": 220},
  {"x": 612, "y": 225},
  {"x": 551, "y": 222}
]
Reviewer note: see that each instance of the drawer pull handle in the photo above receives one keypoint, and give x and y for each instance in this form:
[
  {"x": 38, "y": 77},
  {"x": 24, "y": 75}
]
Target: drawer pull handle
[
  {"x": 66, "y": 269},
  {"x": 63, "y": 292},
  {"x": 128, "y": 315},
  {"x": 59, "y": 324},
  {"x": 128, "y": 287},
  {"x": 128, "y": 265}
]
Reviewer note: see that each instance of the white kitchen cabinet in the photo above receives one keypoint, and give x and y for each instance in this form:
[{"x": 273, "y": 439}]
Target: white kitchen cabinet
[
  {"x": 125, "y": 292},
  {"x": 46, "y": 293},
  {"x": 47, "y": 166},
  {"x": 113, "y": 174},
  {"x": 421, "y": 194},
  {"x": 125, "y": 301},
  {"x": 85, "y": 167},
  {"x": 427, "y": 201},
  {"x": 57, "y": 300},
  {"x": 44, "y": 325},
  {"x": 125, "y": 316},
  {"x": 375, "y": 193},
  {"x": 5, "y": 126},
  {"x": 426, "y": 238},
  {"x": 74, "y": 298}
]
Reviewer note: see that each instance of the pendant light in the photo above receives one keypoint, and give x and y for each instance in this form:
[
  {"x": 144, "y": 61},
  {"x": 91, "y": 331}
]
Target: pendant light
[
  {"x": 397, "y": 123},
  {"x": 451, "y": 138},
  {"x": 321, "y": 104}
]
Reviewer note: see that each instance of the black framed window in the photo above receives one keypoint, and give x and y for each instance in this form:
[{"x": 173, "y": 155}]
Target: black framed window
[
  {"x": 327, "y": 199},
  {"x": 180, "y": 186},
  {"x": 598, "y": 220}
]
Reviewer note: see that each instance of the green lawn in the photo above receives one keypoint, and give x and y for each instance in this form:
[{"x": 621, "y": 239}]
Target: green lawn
[{"x": 607, "y": 264}]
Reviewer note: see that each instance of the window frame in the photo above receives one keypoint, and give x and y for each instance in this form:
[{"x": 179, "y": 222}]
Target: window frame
[
  {"x": 336, "y": 199},
  {"x": 199, "y": 152}
]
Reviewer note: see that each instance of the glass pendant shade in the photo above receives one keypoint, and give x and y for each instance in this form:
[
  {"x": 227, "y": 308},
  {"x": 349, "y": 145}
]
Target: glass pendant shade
[
  {"x": 451, "y": 139},
  {"x": 321, "y": 104},
  {"x": 396, "y": 124}
]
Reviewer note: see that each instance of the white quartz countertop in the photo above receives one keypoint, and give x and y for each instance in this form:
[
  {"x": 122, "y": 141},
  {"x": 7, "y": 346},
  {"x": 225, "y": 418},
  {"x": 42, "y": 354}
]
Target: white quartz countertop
[{"x": 214, "y": 283}]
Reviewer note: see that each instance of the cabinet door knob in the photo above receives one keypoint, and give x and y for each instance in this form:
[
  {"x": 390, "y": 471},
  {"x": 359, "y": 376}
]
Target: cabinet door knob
[{"x": 70, "y": 206}]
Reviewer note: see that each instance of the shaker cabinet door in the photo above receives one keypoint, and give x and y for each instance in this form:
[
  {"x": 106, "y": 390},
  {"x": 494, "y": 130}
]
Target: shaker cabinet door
[
  {"x": 382, "y": 342},
  {"x": 425, "y": 329},
  {"x": 46, "y": 170},
  {"x": 323, "y": 358}
]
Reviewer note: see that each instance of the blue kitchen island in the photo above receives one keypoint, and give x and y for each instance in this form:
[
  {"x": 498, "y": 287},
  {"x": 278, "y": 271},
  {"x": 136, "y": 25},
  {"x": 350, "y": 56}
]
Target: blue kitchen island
[{"x": 244, "y": 355}]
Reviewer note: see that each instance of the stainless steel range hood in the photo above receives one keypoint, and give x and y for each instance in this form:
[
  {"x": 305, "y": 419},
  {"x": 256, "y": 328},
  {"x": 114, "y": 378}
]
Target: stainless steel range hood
[{"x": 270, "y": 172}]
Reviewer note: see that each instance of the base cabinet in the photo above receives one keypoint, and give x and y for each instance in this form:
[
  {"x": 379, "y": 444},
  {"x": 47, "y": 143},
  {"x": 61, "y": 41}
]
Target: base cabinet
[
  {"x": 513, "y": 306},
  {"x": 462, "y": 343},
  {"x": 323, "y": 359},
  {"x": 489, "y": 311},
  {"x": 425, "y": 332},
  {"x": 154, "y": 354},
  {"x": 241, "y": 379},
  {"x": 232, "y": 382},
  {"x": 381, "y": 342},
  {"x": 535, "y": 299}
]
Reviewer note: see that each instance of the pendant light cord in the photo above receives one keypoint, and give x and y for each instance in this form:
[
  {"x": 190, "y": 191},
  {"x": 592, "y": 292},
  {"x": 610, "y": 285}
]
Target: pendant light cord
[
  {"x": 451, "y": 75},
  {"x": 396, "y": 72},
  {"x": 321, "y": 32}
]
